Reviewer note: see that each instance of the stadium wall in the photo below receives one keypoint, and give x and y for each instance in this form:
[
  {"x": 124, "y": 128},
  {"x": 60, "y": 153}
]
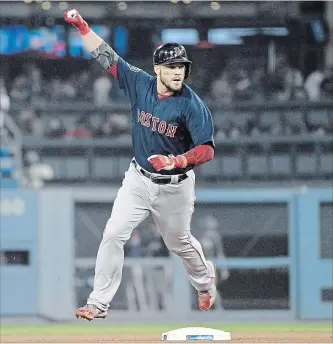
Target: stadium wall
[{"x": 39, "y": 254}]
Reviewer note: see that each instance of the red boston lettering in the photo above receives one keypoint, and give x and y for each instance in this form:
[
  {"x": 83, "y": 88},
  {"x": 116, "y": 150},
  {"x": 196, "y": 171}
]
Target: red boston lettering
[
  {"x": 171, "y": 131},
  {"x": 155, "y": 121},
  {"x": 148, "y": 120},
  {"x": 161, "y": 127}
]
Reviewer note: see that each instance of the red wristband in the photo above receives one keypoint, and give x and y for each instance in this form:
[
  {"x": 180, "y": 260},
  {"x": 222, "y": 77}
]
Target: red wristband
[
  {"x": 180, "y": 161},
  {"x": 84, "y": 28}
]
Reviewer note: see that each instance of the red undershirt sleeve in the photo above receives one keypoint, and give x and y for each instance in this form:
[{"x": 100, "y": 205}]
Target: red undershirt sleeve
[
  {"x": 199, "y": 155},
  {"x": 113, "y": 70}
]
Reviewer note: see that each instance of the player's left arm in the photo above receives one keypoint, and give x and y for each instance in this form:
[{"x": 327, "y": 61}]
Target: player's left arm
[
  {"x": 200, "y": 125},
  {"x": 195, "y": 156},
  {"x": 199, "y": 154}
]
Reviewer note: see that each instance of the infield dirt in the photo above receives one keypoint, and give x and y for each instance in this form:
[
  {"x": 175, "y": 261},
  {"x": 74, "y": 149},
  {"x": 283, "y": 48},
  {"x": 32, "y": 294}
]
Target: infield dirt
[{"x": 241, "y": 337}]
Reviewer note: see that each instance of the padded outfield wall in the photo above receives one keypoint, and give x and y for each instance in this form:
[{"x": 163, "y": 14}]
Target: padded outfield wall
[{"x": 49, "y": 240}]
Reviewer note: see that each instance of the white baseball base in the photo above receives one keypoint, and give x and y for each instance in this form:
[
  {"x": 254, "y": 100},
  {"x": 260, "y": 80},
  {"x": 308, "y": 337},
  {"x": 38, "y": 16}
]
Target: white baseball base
[{"x": 196, "y": 333}]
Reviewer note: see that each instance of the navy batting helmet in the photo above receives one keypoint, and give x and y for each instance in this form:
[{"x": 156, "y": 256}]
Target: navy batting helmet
[{"x": 169, "y": 53}]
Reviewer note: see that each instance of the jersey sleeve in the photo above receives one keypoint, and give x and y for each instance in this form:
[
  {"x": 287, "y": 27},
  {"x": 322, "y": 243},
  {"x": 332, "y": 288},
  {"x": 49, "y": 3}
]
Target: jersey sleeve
[
  {"x": 199, "y": 123},
  {"x": 130, "y": 78}
]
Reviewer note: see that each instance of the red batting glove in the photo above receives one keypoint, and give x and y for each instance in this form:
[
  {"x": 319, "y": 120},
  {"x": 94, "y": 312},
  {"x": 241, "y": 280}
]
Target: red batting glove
[
  {"x": 72, "y": 16},
  {"x": 162, "y": 162}
]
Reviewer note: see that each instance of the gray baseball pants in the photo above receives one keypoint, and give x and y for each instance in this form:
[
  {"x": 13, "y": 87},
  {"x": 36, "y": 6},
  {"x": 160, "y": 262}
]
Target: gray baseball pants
[{"x": 171, "y": 206}]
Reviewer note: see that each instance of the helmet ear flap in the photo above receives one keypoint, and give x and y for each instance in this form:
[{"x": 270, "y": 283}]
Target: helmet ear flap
[{"x": 187, "y": 70}]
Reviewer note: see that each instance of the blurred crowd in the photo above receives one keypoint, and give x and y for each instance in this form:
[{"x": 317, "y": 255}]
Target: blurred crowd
[
  {"x": 284, "y": 83},
  {"x": 255, "y": 126},
  {"x": 233, "y": 85},
  {"x": 90, "y": 84},
  {"x": 32, "y": 123}
]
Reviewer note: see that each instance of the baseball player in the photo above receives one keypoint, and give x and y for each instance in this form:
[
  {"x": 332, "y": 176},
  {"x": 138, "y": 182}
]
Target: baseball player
[{"x": 172, "y": 132}]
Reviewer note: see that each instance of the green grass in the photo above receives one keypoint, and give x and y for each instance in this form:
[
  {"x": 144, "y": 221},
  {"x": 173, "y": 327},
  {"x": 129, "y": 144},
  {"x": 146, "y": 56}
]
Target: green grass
[{"x": 159, "y": 328}]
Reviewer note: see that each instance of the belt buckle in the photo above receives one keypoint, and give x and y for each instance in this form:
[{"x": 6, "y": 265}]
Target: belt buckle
[{"x": 155, "y": 176}]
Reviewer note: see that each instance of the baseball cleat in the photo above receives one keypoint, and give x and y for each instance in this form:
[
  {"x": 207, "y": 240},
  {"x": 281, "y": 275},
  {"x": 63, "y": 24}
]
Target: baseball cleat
[
  {"x": 90, "y": 312},
  {"x": 207, "y": 298}
]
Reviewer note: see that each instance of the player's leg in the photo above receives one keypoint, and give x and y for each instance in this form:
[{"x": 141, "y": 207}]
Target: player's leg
[
  {"x": 129, "y": 209},
  {"x": 172, "y": 213}
]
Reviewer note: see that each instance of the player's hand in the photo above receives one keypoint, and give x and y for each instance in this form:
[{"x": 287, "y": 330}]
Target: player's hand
[
  {"x": 162, "y": 162},
  {"x": 73, "y": 16}
]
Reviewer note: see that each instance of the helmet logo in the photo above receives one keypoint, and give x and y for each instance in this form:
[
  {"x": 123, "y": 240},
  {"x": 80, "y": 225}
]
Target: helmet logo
[{"x": 177, "y": 51}]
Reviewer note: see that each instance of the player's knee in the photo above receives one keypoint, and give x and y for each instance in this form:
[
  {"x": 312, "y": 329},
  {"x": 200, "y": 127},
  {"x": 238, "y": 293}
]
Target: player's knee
[{"x": 117, "y": 233}]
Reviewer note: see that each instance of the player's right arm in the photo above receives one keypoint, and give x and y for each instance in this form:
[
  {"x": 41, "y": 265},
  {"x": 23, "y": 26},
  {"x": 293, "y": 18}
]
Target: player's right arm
[
  {"x": 99, "y": 49},
  {"x": 126, "y": 74}
]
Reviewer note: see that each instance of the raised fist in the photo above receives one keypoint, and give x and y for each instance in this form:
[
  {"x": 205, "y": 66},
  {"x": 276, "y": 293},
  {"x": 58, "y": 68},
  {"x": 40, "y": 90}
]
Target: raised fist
[{"x": 72, "y": 16}]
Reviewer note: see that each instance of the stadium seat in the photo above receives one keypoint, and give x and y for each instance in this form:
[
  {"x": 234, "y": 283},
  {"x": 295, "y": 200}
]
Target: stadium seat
[
  {"x": 69, "y": 120},
  {"x": 77, "y": 168},
  {"x": 270, "y": 118},
  {"x": 317, "y": 117},
  {"x": 102, "y": 167},
  {"x": 241, "y": 118},
  {"x": 306, "y": 164},
  {"x": 257, "y": 165},
  {"x": 211, "y": 168},
  {"x": 294, "y": 119},
  {"x": 232, "y": 166},
  {"x": 280, "y": 165},
  {"x": 326, "y": 163}
]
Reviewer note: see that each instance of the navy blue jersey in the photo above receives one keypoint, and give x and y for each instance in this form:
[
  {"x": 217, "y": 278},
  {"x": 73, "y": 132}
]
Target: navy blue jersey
[{"x": 171, "y": 125}]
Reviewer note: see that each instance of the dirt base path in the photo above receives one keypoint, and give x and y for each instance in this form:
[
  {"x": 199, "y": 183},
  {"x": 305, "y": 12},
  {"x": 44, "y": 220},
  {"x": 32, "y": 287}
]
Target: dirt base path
[{"x": 251, "y": 337}]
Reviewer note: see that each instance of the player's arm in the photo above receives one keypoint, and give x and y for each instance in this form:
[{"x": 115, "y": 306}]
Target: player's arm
[
  {"x": 99, "y": 49},
  {"x": 195, "y": 156},
  {"x": 200, "y": 125},
  {"x": 199, "y": 155}
]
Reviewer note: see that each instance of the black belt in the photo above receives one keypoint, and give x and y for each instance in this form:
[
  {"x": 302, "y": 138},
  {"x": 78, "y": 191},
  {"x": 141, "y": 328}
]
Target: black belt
[{"x": 159, "y": 179}]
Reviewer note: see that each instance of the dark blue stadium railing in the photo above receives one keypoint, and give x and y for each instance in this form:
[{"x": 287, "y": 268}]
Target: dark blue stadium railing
[{"x": 53, "y": 107}]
